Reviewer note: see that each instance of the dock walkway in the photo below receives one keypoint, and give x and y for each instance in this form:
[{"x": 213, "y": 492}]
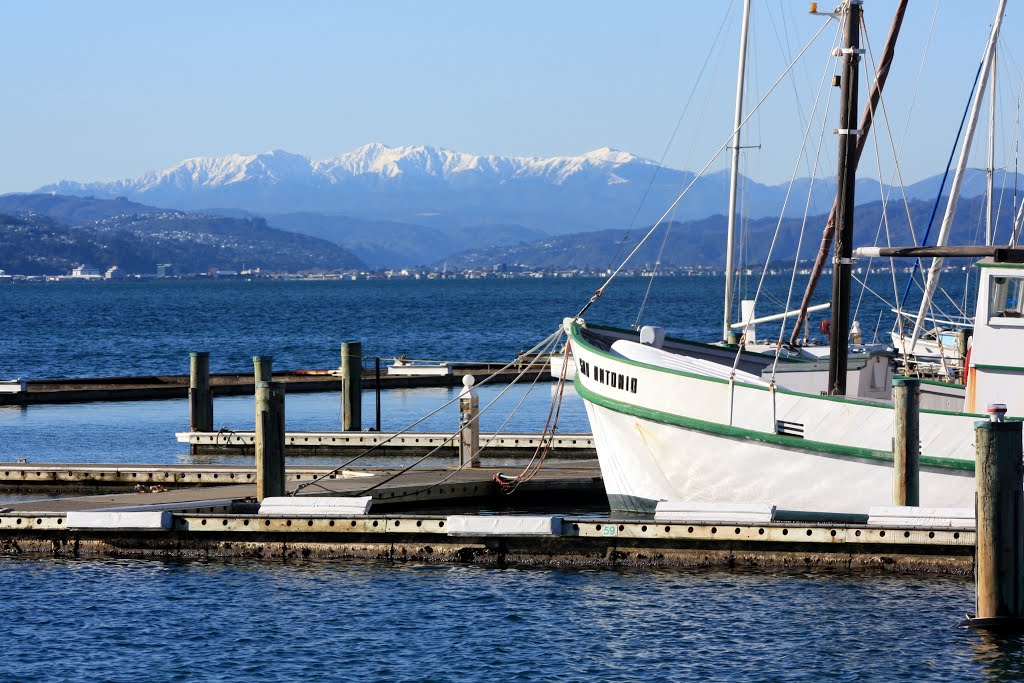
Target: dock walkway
[{"x": 223, "y": 521}]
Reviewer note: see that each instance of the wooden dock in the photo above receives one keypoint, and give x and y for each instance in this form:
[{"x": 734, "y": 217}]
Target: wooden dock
[
  {"x": 199, "y": 482},
  {"x": 503, "y": 446},
  {"x": 223, "y": 521},
  {"x": 155, "y": 387}
]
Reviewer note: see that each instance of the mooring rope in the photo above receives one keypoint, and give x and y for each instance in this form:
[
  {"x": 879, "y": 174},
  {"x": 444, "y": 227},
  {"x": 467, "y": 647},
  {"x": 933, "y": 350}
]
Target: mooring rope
[
  {"x": 327, "y": 475},
  {"x": 509, "y": 486},
  {"x": 487, "y": 443},
  {"x": 455, "y": 434}
]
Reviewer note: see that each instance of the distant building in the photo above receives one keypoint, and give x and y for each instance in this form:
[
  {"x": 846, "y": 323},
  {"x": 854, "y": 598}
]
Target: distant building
[
  {"x": 164, "y": 269},
  {"x": 113, "y": 273},
  {"x": 86, "y": 272}
]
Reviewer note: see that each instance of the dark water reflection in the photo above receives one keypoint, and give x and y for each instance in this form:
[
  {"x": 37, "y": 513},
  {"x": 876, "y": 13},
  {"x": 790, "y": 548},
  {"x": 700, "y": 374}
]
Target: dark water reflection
[{"x": 131, "y": 620}]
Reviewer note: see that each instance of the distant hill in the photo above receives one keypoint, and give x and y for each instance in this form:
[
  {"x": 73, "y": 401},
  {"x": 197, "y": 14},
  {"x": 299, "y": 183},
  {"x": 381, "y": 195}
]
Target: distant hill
[
  {"x": 392, "y": 244},
  {"x": 702, "y": 242},
  {"x": 444, "y": 189},
  {"x": 51, "y": 234}
]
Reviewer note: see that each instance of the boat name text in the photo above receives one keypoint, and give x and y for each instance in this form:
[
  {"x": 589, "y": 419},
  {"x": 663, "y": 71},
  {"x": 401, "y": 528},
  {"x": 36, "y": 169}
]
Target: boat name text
[{"x": 612, "y": 379}]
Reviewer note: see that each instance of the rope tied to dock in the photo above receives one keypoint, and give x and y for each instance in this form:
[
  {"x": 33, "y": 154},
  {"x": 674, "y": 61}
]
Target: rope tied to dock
[
  {"x": 547, "y": 343},
  {"x": 547, "y": 349},
  {"x": 509, "y": 485}
]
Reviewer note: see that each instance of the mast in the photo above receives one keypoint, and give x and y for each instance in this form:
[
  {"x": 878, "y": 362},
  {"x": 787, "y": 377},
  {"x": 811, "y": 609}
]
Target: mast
[
  {"x": 958, "y": 179},
  {"x": 734, "y": 176},
  {"x": 867, "y": 117},
  {"x": 847, "y": 180},
  {"x": 991, "y": 171}
]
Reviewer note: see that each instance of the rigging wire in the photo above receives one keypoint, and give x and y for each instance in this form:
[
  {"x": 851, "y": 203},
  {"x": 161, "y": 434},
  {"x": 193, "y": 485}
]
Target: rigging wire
[
  {"x": 785, "y": 202},
  {"x": 600, "y": 290},
  {"x": 675, "y": 131},
  {"x": 813, "y": 172},
  {"x": 942, "y": 185}
]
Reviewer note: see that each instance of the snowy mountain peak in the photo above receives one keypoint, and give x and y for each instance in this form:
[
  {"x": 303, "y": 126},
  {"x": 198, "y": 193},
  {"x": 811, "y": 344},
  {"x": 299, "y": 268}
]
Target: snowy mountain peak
[
  {"x": 374, "y": 165},
  {"x": 610, "y": 156}
]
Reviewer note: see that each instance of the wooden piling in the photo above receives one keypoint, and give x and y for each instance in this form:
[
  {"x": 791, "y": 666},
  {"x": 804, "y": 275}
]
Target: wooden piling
[
  {"x": 963, "y": 344},
  {"x": 999, "y": 560},
  {"x": 906, "y": 448},
  {"x": 200, "y": 398},
  {"x": 351, "y": 386},
  {"x": 262, "y": 368},
  {"x": 469, "y": 424},
  {"x": 270, "y": 434},
  {"x": 376, "y": 386}
]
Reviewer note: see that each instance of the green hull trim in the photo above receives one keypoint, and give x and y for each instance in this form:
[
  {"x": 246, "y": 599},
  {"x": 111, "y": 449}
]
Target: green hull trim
[
  {"x": 998, "y": 368},
  {"x": 788, "y": 442},
  {"x": 577, "y": 338}
]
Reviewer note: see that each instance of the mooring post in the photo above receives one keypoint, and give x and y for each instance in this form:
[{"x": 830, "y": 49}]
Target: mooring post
[
  {"x": 269, "y": 440},
  {"x": 200, "y": 399},
  {"x": 999, "y": 554},
  {"x": 963, "y": 343},
  {"x": 469, "y": 424},
  {"x": 351, "y": 386},
  {"x": 262, "y": 368},
  {"x": 906, "y": 443},
  {"x": 376, "y": 385}
]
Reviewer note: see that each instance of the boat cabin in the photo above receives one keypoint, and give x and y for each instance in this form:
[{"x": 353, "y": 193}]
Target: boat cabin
[{"x": 996, "y": 357}]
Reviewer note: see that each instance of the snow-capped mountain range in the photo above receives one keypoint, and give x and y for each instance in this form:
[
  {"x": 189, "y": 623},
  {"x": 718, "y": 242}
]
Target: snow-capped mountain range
[{"x": 435, "y": 186}]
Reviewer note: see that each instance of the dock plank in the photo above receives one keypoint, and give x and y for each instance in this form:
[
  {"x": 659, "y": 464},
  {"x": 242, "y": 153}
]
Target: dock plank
[{"x": 433, "y": 484}]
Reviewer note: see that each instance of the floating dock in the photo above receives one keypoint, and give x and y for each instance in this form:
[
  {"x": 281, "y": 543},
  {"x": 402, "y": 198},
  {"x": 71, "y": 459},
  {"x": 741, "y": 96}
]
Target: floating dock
[
  {"x": 224, "y": 521},
  {"x": 155, "y": 387},
  {"x": 502, "y": 446}
]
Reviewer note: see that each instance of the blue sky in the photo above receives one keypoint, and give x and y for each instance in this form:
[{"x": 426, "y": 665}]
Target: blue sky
[{"x": 103, "y": 90}]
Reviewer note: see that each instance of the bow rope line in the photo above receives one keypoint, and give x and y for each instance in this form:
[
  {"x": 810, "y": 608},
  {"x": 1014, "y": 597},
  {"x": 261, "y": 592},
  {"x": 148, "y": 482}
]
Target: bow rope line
[
  {"x": 480, "y": 450},
  {"x": 554, "y": 338},
  {"x": 509, "y": 485},
  {"x": 542, "y": 343}
]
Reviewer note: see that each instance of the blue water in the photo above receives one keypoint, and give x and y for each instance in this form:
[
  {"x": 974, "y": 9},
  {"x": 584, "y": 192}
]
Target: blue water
[
  {"x": 130, "y": 620},
  {"x": 99, "y": 329},
  {"x": 144, "y": 431},
  {"x": 125, "y": 620}
]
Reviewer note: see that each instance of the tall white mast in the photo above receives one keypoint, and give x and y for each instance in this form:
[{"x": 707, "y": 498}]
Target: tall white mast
[
  {"x": 991, "y": 171},
  {"x": 958, "y": 178},
  {"x": 734, "y": 177}
]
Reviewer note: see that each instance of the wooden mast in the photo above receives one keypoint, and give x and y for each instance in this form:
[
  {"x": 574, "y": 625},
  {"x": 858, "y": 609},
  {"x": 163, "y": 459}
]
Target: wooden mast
[
  {"x": 881, "y": 74},
  {"x": 838, "y": 344}
]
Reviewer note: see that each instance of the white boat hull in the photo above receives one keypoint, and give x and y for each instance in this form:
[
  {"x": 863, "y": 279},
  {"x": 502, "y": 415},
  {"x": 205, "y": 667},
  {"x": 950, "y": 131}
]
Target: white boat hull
[
  {"x": 643, "y": 461},
  {"x": 669, "y": 434}
]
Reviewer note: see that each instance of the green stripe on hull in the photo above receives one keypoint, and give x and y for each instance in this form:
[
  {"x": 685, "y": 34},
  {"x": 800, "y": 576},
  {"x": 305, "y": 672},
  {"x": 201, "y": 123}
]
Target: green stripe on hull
[
  {"x": 788, "y": 442},
  {"x": 577, "y": 338}
]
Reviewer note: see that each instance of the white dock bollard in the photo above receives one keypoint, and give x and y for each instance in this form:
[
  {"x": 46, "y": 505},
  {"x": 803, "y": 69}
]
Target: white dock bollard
[{"x": 469, "y": 424}]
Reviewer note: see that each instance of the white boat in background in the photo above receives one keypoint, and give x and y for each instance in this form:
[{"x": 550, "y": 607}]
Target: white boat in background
[
  {"x": 12, "y": 386},
  {"x": 419, "y": 368},
  {"x": 670, "y": 424}
]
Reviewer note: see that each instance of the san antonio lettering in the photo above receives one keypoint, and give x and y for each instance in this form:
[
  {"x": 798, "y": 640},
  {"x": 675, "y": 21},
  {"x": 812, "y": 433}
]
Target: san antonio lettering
[{"x": 616, "y": 380}]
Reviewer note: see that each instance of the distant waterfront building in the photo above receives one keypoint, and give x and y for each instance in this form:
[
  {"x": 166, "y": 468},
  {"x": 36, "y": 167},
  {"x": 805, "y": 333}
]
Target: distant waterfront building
[
  {"x": 113, "y": 273},
  {"x": 85, "y": 272},
  {"x": 164, "y": 269}
]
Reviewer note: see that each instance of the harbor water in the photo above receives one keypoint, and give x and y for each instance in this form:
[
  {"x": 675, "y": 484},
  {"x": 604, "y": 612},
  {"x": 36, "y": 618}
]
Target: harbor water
[{"x": 129, "y": 620}]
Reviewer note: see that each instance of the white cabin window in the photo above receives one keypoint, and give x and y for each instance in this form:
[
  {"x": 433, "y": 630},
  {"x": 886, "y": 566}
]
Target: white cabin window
[{"x": 1006, "y": 298}]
